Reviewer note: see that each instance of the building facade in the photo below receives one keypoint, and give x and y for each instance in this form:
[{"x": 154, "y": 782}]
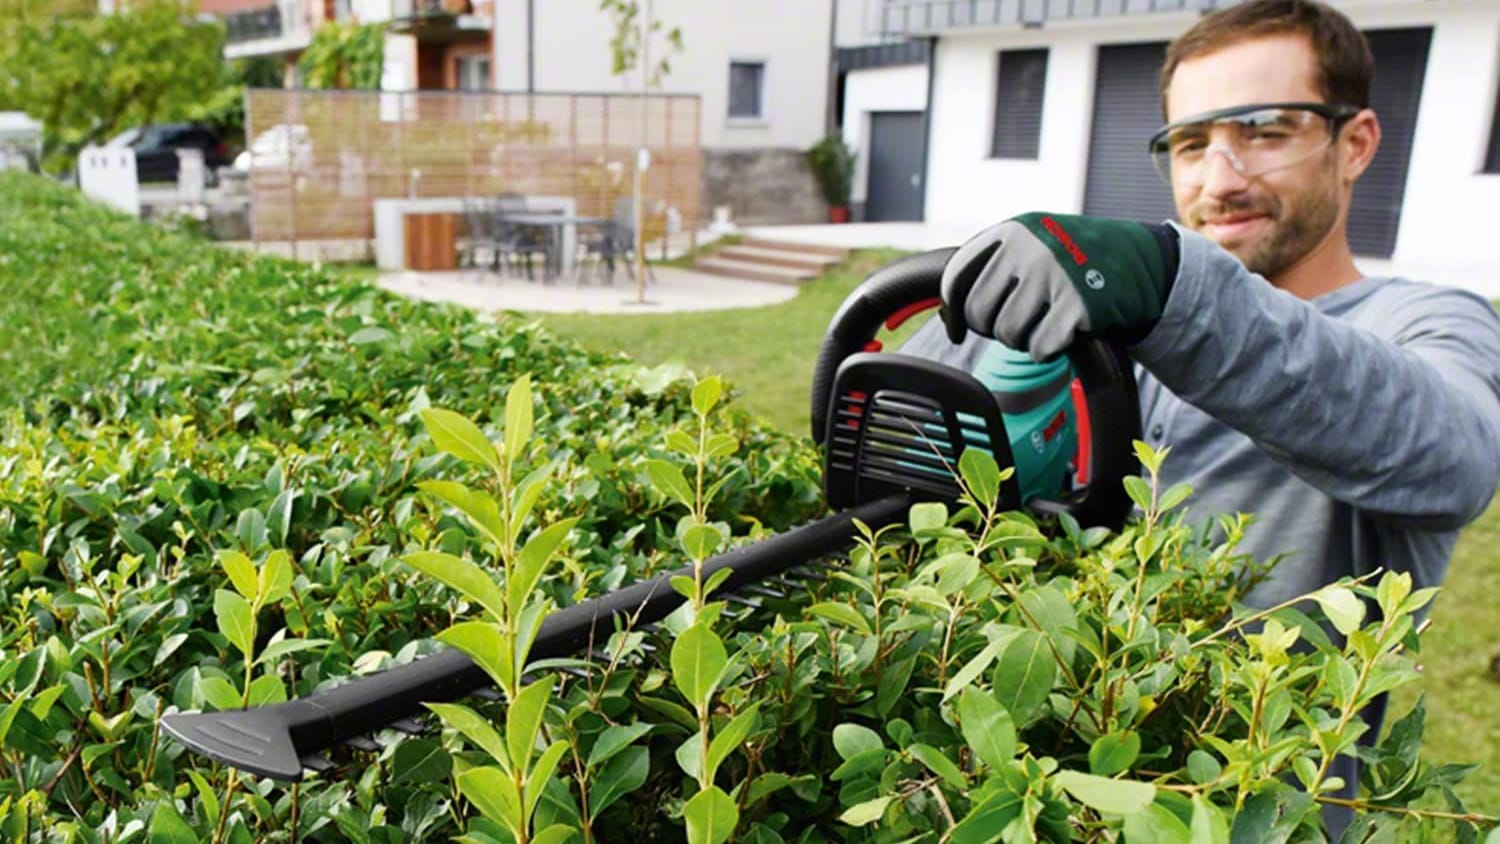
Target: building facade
[{"x": 1048, "y": 105}]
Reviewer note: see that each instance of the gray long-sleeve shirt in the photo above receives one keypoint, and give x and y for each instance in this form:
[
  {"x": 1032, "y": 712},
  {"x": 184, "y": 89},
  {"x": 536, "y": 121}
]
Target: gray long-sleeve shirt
[{"x": 1361, "y": 428}]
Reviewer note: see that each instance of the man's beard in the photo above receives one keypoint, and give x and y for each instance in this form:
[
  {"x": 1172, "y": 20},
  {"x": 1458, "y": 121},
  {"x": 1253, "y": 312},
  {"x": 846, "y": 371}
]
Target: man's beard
[{"x": 1296, "y": 225}]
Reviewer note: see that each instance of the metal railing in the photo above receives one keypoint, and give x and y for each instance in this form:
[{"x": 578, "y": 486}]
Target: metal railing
[
  {"x": 252, "y": 25},
  {"x": 918, "y": 17}
]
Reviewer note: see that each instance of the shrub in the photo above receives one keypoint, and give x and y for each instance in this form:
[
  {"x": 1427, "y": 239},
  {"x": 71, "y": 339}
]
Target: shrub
[{"x": 220, "y": 483}]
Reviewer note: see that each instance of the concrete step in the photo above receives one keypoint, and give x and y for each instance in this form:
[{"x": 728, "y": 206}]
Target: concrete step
[
  {"x": 788, "y": 246},
  {"x": 814, "y": 261},
  {"x": 754, "y": 270}
]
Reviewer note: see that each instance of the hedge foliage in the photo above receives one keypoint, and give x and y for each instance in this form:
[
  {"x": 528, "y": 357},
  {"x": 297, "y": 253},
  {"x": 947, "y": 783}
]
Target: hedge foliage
[{"x": 226, "y": 480}]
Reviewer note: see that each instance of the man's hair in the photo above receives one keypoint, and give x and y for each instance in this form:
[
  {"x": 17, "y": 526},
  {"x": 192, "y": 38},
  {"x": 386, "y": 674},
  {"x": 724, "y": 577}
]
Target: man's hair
[{"x": 1344, "y": 61}]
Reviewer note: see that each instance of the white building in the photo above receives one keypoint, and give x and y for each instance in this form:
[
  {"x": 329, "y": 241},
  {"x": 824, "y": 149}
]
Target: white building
[
  {"x": 1047, "y": 104},
  {"x": 761, "y": 71}
]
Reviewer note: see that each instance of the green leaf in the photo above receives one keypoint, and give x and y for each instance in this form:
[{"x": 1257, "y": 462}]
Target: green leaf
[
  {"x": 956, "y": 572},
  {"x": 235, "y": 619},
  {"x": 523, "y": 721},
  {"x": 615, "y": 739},
  {"x": 456, "y": 435},
  {"x": 1203, "y": 767},
  {"x": 525, "y": 496},
  {"x": 1114, "y": 753},
  {"x": 8, "y": 717},
  {"x": 698, "y": 660},
  {"x": 1024, "y": 675},
  {"x": 277, "y": 650},
  {"x": 1342, "y": 607},
  {"x": 938, "y": 764},
  {"x": 841, "y": 614},
  {"x": 494, "y": 794},
  {"x": 474, "y": 728},
  {"x": 981, "y": 475},
  {"x": 1157, "y": 825},
  {"x": 420, "y": 760},
  {"x": 974, "y": 667},
  {"x": 928, "y": 515},
  {"x": 275, "y": 578},
  {"x": 518, "y": 417},
  {"x": 711, "y": 817},
  {"x": 481, "y": 509},
  {"x": 987, "y": 728},
  {"x": 623, "y": 774},
  {"x": 706, "y": 394},
  {"x": 483, "y": 643},
  {"x": 219, "y": 693},
  {"x": 554, "y": 834},
  {"x": 730, "y": 738},
  {"x": 1175, "y": 495},
  {"x": 462, "y": 576},
  {"x": 850, "y": 740},
  {"x": 1139, "y": 492},
  {"x": 241, "y": 573},
  {"x": 536, "y": 783},
  {"x": 1150, "y": 458},
  {"x": 168, "y": 827},
  {"x": 267, "y": 689},
  {"x": 531, "y": 563},
  {"x": 1209, "y": 825},
  {"x": 867, "y": 812},
  {"x": 700, "y": 542},
  {"x": 668, "y": 480},
  {"x": 1117, "y": 797},
  {"x": 679, "y": 441}
]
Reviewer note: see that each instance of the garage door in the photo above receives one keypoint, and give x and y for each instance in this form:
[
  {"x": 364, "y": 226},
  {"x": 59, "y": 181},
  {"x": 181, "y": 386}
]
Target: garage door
[
  {"x": 1121, "y": 182},
  {"x": 1127, "y": 109}
]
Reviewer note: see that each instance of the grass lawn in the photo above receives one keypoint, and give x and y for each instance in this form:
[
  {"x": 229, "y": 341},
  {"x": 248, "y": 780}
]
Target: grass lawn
[{"x": 768, "y": 354}]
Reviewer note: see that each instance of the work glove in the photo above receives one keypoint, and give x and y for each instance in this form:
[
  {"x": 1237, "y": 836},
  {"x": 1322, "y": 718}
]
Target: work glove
[{"x": 1037, "y": 281}]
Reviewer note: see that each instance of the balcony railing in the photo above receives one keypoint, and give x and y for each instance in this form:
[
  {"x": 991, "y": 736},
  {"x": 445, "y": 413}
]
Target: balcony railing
[
  {"x": 252, "y": 25},
  {"x": 924, "y": 17}
]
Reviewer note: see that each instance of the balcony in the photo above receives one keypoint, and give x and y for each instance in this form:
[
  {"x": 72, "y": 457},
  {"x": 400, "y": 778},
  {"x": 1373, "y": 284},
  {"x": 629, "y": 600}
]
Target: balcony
[
  {"x": 266, "y": 30},
  {"x": 894, "y": 18}
]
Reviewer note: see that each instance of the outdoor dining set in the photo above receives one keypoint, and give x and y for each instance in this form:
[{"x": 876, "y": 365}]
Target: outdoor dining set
[{"x": 507, "y": 236}]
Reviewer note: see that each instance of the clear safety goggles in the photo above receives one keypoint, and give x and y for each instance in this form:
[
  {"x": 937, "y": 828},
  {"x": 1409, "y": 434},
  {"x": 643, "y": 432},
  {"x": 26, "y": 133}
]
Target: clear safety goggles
[{"x": 1254, "y": 139}]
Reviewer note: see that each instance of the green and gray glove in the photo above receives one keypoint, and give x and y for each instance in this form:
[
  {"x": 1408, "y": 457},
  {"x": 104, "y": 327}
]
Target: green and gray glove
[{"x": 1037, "y": 281}]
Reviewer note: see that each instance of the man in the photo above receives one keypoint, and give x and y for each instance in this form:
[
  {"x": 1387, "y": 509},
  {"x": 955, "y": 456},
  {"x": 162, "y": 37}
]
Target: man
[{"x": 1358, "y": 418}]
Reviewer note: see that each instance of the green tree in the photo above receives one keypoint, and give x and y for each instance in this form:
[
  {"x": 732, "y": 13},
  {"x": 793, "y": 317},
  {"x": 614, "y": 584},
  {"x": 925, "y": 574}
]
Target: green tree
[
  {"x": 87, "y": 76},
  {"x": 344, "y": 56}
]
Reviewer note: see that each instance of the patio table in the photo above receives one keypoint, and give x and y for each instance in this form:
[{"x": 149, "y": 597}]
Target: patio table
[{"x": 555, "y": 226}]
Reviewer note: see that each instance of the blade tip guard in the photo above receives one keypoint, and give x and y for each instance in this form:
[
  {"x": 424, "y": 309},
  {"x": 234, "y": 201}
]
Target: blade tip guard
[{"x": 257, "y": 741}]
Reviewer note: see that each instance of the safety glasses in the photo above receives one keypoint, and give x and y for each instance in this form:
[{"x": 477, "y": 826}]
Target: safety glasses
[{"x": 1255, "y": 139}]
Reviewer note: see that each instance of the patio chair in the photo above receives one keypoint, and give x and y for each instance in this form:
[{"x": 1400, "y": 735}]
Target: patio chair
[
  {"x": 518, "y": 241},
  {"x": 618, "y": 242},
  {"x": 481, "y": 237}
]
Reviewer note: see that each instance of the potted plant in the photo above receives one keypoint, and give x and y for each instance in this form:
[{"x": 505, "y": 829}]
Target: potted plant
[{"x": 832, "y": 163}]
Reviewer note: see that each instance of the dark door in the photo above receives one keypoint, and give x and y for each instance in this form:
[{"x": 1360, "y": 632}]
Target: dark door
[
  {"x": 894, "y": 189},
  {"x": 1395, "y": 93},
  {"x": 1121, "y": 181}
]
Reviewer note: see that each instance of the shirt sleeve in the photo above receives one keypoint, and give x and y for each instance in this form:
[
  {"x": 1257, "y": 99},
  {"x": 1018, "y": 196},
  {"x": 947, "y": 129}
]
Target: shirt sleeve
[{"x": 1402, "y": 422}]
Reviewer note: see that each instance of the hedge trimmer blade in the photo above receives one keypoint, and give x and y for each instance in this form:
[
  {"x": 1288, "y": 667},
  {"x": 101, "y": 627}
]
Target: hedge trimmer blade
[{"x": 279, "y": 740}]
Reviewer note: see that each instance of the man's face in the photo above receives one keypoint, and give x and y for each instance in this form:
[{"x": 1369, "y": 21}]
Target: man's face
[{"x": 1272, "y": 220}]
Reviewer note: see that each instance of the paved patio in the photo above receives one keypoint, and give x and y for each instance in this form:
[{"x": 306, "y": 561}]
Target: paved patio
[{"x": 674, "y": 290}]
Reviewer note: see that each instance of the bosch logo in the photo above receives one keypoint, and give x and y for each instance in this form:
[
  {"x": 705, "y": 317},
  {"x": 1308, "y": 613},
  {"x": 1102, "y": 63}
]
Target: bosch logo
[
  {"x": 1038, "y": 441},
  {"x": 1094, "y": 279}
]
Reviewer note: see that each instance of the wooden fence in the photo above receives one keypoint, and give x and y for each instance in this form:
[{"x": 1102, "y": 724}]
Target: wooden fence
[{"x": 323, "y": 157}]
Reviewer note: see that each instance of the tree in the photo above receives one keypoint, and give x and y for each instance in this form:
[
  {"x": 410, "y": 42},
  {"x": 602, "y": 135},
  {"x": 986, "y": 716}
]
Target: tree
[
  {"x": 86, "y": 76},
  {"x": 344, "y": 56},
  {"x": 631, "y": 45}
]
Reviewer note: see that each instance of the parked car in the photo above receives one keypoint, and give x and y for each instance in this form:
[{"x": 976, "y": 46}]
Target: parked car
[
  {"x": 282, "y": 147},
  {"x": 156, "y": 148}
]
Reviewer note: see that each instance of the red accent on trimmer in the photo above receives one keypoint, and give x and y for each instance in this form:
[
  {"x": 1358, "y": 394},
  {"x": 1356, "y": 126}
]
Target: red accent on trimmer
[
  {"x": 874, "y": 346},
  {"x": 1085, "y": 435},
  {"x": 894, "y": 321}
]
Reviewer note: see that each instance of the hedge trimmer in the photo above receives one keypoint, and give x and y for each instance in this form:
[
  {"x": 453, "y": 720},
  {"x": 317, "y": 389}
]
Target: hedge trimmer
[{"x": 892, "y": 427}]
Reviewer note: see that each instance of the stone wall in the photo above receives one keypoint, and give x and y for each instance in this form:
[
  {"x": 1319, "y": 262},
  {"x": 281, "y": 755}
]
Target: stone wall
[{"x": 761, "y": 186}]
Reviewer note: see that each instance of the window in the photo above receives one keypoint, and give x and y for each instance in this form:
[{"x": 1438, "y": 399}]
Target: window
[
  {"x": 1018, "y": 103},
  {"x": 1492, "y": 155},
  {"x": 474, "y": 72},
  {"x": 747, "y": 81}
]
